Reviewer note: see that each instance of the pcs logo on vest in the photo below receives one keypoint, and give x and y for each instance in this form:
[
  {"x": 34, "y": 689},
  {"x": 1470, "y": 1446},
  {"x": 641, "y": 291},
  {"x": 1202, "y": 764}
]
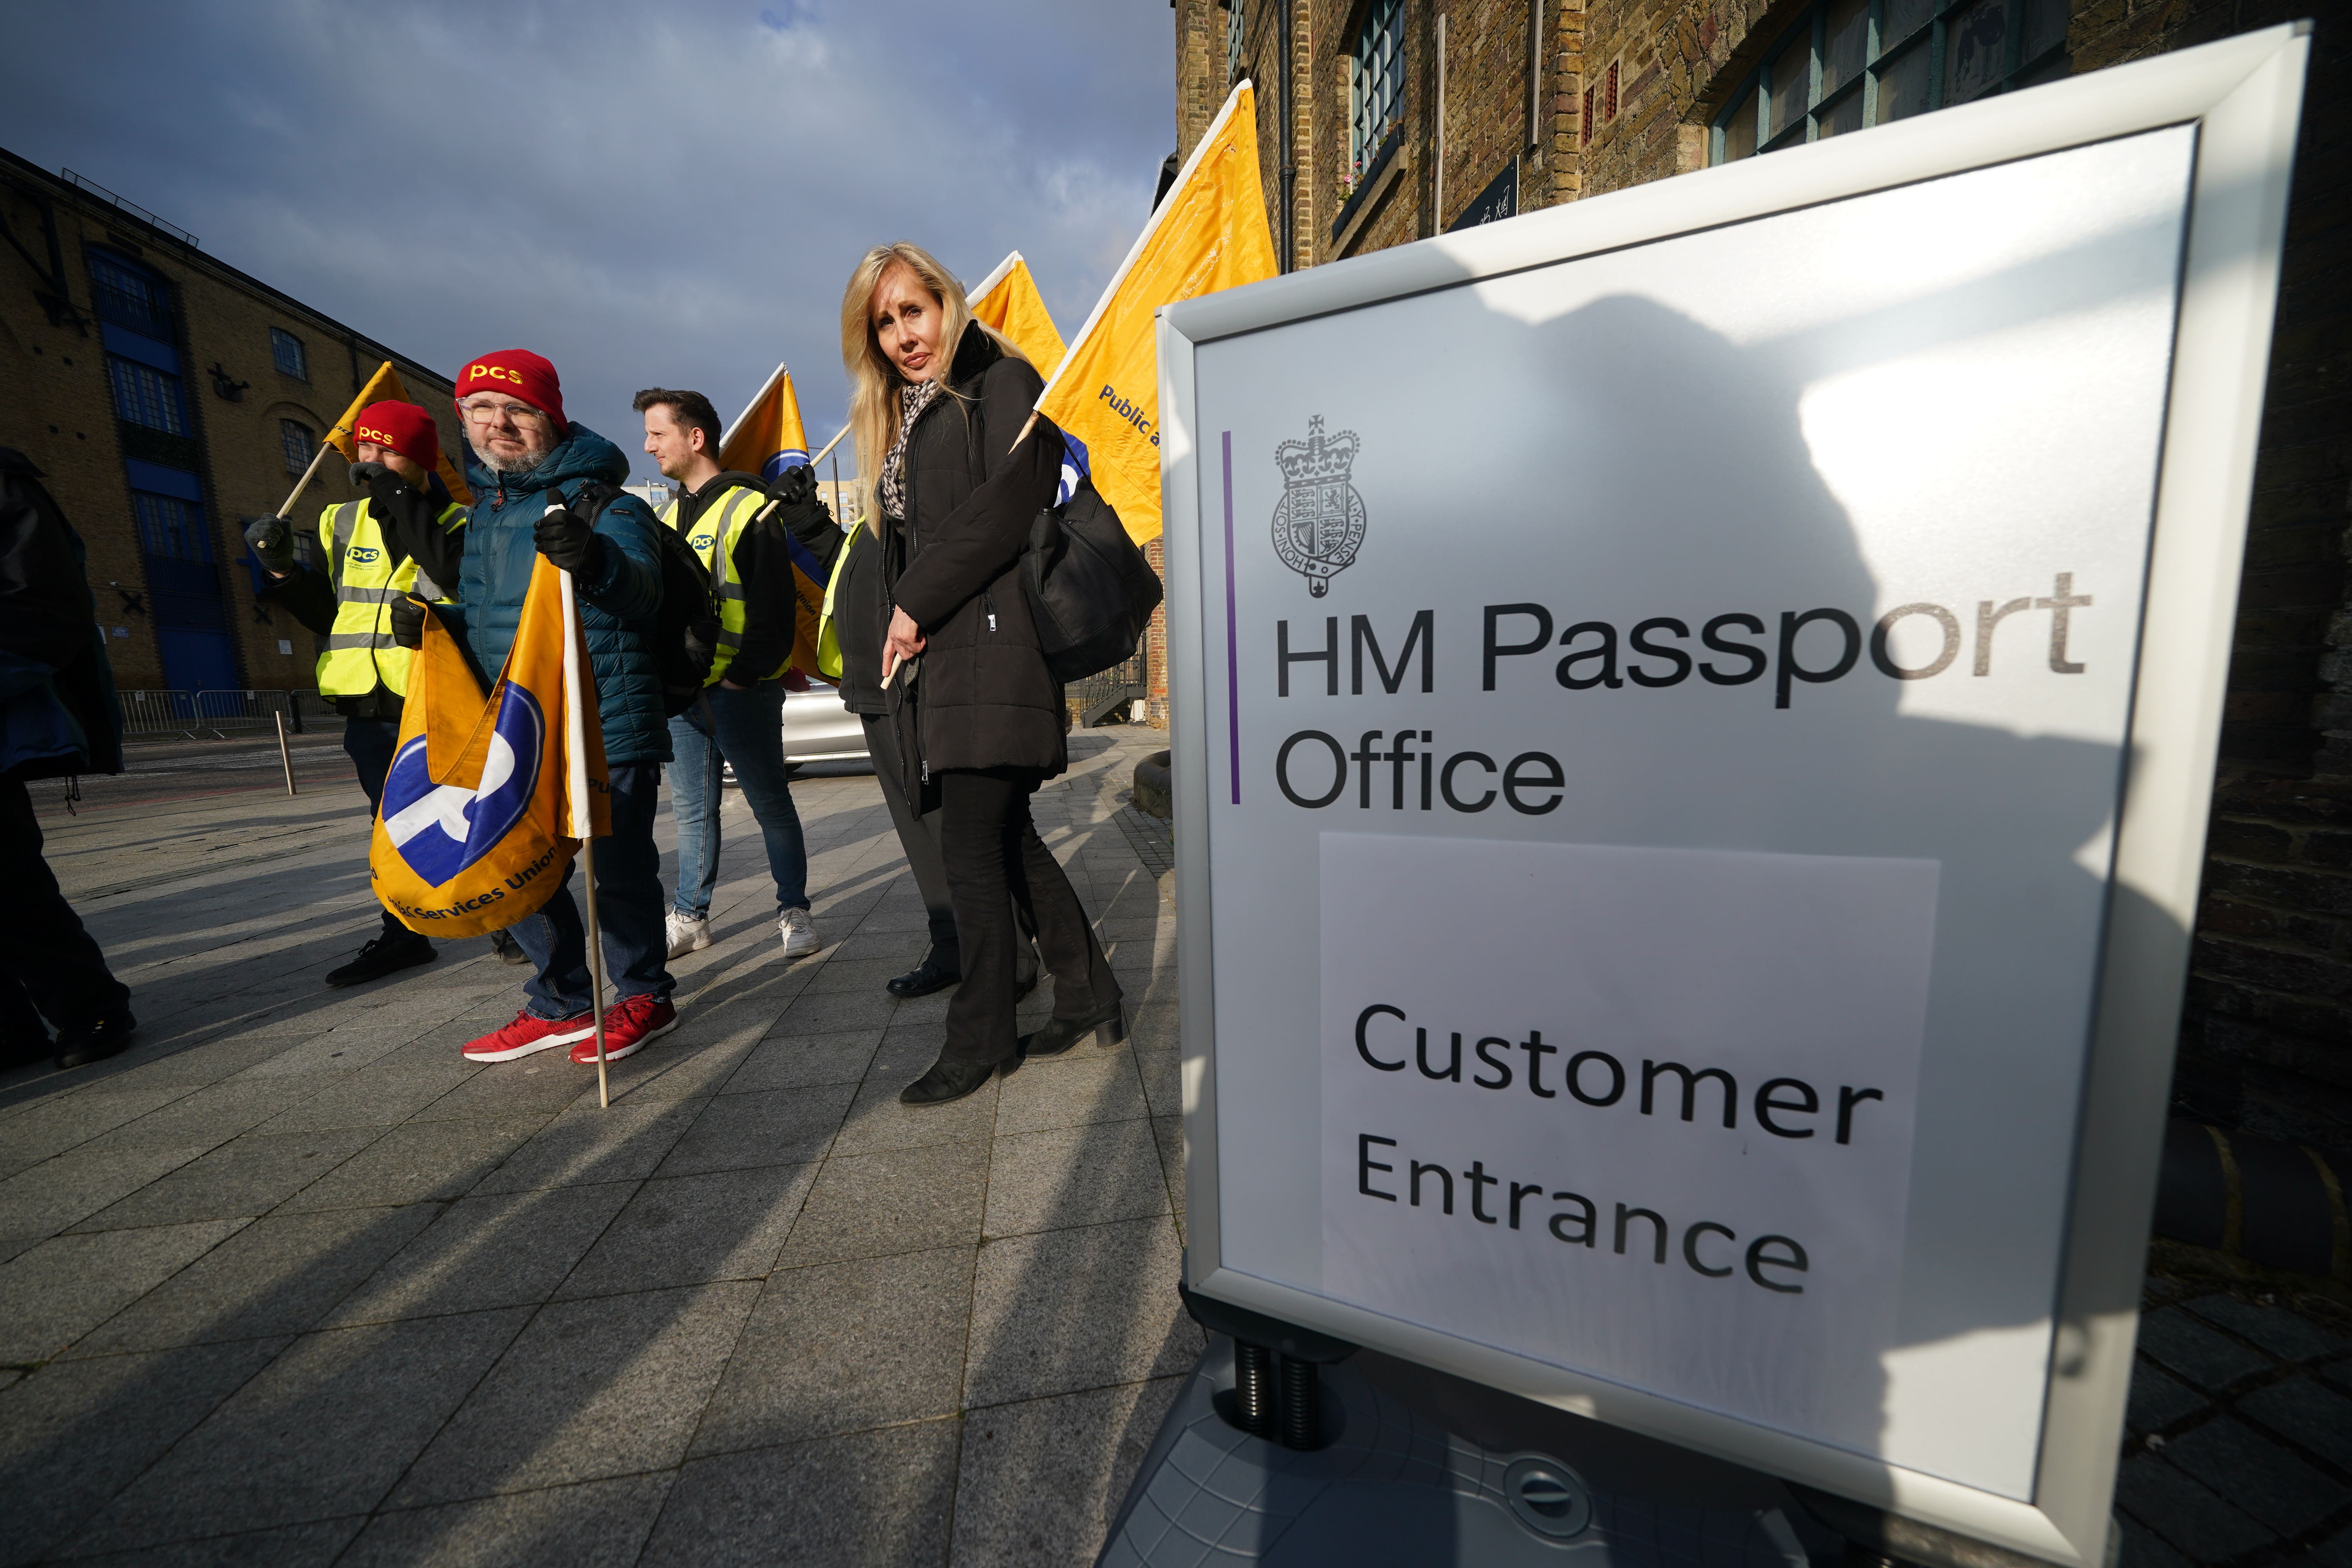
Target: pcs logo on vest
[
  {"x": 362, "y": 553},
  {"x": 701, "y": 540}
]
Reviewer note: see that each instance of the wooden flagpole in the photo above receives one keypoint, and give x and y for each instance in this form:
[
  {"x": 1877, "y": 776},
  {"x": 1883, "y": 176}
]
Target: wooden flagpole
[{"x": 583, "y": 823}]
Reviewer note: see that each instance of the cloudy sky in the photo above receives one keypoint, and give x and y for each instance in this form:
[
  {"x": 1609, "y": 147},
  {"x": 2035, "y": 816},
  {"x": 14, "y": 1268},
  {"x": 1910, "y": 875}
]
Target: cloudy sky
[{"x": 668, "y": 194}]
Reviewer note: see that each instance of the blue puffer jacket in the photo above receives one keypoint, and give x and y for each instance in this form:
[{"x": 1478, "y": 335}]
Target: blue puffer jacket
[{"x": 616, "y": 611}]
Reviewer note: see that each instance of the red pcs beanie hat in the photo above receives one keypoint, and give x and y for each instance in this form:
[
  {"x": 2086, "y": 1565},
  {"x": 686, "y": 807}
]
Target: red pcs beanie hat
[
  {"x": 402, "y": 426},
  {"x": 521, "y": 375}
]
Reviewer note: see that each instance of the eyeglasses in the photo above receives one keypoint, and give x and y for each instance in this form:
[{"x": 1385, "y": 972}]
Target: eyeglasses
[{"x": 492, "y": 413}]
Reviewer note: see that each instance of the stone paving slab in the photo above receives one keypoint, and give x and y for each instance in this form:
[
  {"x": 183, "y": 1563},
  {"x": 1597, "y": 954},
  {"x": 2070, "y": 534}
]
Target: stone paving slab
[{"x": 291, "y": 1282}]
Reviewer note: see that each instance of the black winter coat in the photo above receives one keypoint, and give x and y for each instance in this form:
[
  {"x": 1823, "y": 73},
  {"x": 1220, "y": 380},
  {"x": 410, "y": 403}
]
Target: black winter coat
[
  {"x": 58, "y": 712},
  {"x": 984, "y": 696}
]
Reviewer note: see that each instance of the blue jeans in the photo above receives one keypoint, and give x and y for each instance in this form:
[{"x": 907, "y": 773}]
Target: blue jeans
[
  {"x": 745, "y": 727},
  {"x": 628, "y": 910}
]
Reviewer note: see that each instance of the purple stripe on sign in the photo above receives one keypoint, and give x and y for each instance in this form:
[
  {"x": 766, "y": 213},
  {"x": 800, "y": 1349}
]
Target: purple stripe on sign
[{"x": 1232, "y": 637}]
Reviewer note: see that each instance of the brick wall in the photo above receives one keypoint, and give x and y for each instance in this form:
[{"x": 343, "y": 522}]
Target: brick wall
[{"x": 2266, "y": 1035}]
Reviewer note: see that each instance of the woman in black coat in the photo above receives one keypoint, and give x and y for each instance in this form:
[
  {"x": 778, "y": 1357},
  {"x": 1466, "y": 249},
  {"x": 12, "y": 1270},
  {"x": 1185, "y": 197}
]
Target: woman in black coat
[{"x": 940, "y": 408}]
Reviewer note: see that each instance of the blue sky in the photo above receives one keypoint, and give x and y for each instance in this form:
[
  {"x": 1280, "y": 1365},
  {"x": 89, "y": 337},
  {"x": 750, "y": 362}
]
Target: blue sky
[{"x": 669, "y": 193}]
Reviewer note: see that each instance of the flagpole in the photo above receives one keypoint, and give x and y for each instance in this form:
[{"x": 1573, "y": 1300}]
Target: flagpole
[{"x": 582, "y": 822}]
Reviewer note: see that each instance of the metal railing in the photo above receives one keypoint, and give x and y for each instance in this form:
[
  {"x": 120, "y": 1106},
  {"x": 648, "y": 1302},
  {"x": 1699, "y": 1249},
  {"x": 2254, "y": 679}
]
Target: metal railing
[
  {"x": 152, "y": 715},
  {"x": 1098, "y": 695}
]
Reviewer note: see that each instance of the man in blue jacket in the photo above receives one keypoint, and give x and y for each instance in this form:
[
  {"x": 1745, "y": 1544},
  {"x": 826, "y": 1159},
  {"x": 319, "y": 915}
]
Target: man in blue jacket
[{"x": 528, "y": 465}]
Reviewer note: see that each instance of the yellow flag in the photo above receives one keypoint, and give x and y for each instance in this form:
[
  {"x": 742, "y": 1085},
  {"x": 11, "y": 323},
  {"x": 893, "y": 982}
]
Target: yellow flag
[
  {"x": 1210, "y": 233},
  {"x": 475, "y": 830},
  {"x": 385, "y": 384},
  {"x": 768, "y": 439},
  {"x": 1007, "y": 299}
]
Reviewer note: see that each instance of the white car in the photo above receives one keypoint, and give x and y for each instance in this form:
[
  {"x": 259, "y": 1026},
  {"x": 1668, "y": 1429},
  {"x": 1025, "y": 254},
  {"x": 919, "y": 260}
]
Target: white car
[{"x": 817, "y": 727}]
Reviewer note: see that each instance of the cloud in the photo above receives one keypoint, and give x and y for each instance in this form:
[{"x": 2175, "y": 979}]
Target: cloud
[{"x": 669, "y": 195}]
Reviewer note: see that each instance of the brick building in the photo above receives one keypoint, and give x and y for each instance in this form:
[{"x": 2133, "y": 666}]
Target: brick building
[
  {"x": 168, "y": 396},
  {"x": 1382, "y": 122}
]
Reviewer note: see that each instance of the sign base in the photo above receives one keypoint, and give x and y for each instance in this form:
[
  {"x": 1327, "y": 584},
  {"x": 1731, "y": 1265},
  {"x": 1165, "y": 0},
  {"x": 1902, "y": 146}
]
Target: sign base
[{"x": 1419, "y": 1466}]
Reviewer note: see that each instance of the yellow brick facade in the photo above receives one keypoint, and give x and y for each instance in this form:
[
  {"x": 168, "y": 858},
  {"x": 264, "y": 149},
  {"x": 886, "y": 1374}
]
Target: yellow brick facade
[{"x": 56, "y": 406}]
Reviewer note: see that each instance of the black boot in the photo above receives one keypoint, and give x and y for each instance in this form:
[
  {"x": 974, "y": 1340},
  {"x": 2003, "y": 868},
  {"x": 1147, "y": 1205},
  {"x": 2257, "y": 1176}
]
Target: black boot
[
  {"x": 1109, "y": 1027},
  {"x": 386, "y": 954},
  {"x": 947, "y": 1080},
  {"x": 96, "y": 1040},
  {"x": 509, "y": 949},
  {"x": 923, "y": 979}
]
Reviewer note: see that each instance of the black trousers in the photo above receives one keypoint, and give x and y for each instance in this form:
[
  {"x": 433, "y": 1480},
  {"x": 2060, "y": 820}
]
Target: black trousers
[
  {"x": 49, "y": 963},
  {"x": 370, "y": 743},
  {"x": 919, "y": 837},
  {"x": 995, "y": 861}
]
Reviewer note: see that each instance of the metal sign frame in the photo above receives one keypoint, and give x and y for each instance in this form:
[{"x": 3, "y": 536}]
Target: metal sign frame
[{"x": 2243, "y": 95}]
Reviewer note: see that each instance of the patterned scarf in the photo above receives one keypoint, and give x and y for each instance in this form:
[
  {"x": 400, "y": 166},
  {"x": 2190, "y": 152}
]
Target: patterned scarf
[{"x": 913, "y": 398}]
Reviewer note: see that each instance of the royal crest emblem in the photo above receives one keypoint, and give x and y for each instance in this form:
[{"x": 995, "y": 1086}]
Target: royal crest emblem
[{"x": 1319, "y": 524}]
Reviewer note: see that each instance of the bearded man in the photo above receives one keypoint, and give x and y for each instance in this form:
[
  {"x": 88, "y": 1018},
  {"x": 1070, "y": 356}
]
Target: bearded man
[{"x": 527, "y": 466}]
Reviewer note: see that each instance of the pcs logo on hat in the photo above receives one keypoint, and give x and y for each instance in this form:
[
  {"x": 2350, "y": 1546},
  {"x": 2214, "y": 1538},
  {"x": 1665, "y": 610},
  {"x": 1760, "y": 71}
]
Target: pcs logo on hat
[
  {"x": 493, "y": 373},
  {"x": 373, "y": 436}
]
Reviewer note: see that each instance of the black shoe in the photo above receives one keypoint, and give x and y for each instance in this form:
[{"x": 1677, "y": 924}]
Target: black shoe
[
  {"x": 509, "y": 949},
  {"x": 1023, "y": 987},
  {"x": 921, "y": 981},
  {"x": 96, "y": 1041},
  {"x": 382, "y": 956},
  {"x": 1059, "y": 1034},
  {"x": 947, "y": 1080}
]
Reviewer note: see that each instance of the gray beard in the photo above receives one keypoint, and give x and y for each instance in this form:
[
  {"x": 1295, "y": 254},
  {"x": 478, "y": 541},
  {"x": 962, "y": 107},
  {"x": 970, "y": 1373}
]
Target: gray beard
[{"x": 522, "y": 464}]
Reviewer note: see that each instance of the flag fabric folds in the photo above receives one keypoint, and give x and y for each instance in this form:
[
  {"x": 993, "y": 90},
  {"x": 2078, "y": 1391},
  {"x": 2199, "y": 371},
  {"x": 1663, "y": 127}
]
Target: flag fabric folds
[
  {"x": 474, "y": 832},
  {"x": 384, "y": 384},
  {"x": 1210, "y": 233},
  {"x": 766, "y": 440},
  {"x": 1007, "y": 299}
]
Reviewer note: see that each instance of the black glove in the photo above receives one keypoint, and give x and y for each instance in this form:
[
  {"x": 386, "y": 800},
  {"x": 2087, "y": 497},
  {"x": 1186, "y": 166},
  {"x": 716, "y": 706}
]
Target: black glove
[
  {"x": 702, "y": 641},
  {"x": 363, "y": 475},
  {"x": 569, "y": 542},
  {"x": 408, "y": 622},
  {"x": 271, "y": 540},
  {"x": 798, "y": 506},
  {"x": 798, "y": 484}
]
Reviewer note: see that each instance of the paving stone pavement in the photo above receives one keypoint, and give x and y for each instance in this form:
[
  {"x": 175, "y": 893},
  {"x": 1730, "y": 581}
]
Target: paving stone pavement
[{"x": 289, "y": 1282}]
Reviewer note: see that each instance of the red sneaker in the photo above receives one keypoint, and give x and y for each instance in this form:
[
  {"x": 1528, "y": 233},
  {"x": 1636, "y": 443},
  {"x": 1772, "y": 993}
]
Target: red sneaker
[
  {"x": 529, "y": 1033},
  {"x": 629, "y": 1024}
]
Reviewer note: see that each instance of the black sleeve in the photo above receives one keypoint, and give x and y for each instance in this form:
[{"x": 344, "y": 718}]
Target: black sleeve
[
  {"x": 308, "y": 596},
  {"x": 411, "y": 520},
  {"x": 771, "y": 601},
  {"x": 46, "y": 609},
  {"x": 984, "y": 536}
]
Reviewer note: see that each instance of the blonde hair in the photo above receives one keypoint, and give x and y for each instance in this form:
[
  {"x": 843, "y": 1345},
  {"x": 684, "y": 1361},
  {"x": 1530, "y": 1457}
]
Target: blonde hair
[{"x": 874, "y": 381}]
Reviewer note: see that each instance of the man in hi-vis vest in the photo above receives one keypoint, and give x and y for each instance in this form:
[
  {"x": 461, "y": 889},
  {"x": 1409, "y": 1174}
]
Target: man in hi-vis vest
[
  {"x": 350, "y": 602},
  {"x": 738, "y": 717}
]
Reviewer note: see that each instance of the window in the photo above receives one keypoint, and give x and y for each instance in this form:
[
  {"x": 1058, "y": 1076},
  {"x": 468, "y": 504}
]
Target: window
[
  {"x": 285, "y": 349},
  {"x": 170, "y": 527},
  {"x": 123, "y": 291},
  {"x": 1236, "y": 34},
  {"x": 299, "y": 443},
  {"x": 1375, "y": 80},
  {"x": 1847, "y": 64},
  {"x": 148, "y": 396}
]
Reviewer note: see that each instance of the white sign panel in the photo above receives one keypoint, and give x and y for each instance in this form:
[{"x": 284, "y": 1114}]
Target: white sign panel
[{"x": 1695, "y": 712}]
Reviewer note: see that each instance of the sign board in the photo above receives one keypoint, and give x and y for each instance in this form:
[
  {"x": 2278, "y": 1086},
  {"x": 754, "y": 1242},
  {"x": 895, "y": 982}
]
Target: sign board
[
  {"x": 1695, "y": 718},
  {"x": 1498, "y": 201}
]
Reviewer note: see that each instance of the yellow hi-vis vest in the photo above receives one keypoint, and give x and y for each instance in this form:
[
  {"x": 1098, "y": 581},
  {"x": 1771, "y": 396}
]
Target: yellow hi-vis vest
[
  {"x": 359, "y": 655},
  {"x": 722, "y": 522}
]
